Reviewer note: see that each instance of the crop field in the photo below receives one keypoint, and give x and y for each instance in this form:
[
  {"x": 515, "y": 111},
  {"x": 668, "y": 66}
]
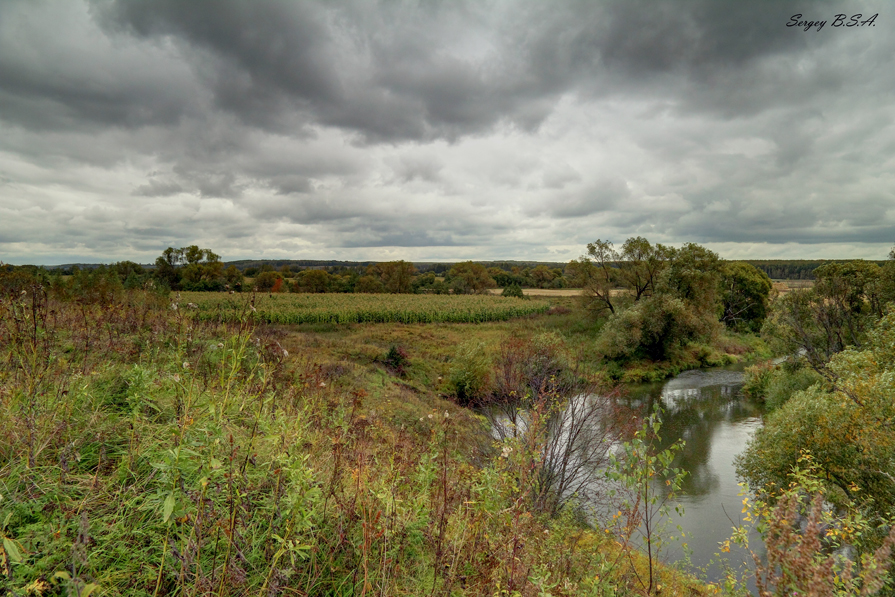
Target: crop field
[{"x": 359, "y": 308}]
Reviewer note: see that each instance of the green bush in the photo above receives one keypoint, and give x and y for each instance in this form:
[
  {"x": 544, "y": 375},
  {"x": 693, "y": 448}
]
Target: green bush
[
  {"x": 513, "y": 290},
  {"x": 775, "y": 384},
  {"x": 470, "y": 374},
  {"x": 654, "y": 328}
]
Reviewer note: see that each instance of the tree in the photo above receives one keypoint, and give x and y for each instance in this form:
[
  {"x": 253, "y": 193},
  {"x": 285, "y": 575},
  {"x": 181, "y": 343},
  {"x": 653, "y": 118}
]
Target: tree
[
  {"x": 692, "y": 275},
  {"x": 470, "y": 278},
  {"x": 268, "y": 281},
  {"x": 542, "y": 276},
  {"x": 640, "y": 264},
  {"x": 680, "y": 307},
  {"x": 744, "y": 295},
  {"x": 836, "y": 313},
  {"x": 654, "y": 328},
  {"x": 190, "y": 268},
  {"x": 396, "y": 276},
  {"x": 369, "y": 284},
  {"x": 597, "y": 276},
  {"x": 314, "y": 280}
]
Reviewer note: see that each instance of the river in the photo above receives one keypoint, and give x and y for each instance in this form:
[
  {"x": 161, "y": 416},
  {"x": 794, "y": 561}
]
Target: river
[{"x": 705, "y": 409}]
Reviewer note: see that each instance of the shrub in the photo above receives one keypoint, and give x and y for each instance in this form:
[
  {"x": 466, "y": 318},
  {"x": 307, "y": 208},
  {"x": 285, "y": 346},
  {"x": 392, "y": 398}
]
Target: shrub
[
  {"x": 470, "y": 374},
  {"x": 654, "y": 328},
  {"x": 397, "y": 359},
  {"x": 513, "y": 290},
  {"x": 775, "y": 384}
]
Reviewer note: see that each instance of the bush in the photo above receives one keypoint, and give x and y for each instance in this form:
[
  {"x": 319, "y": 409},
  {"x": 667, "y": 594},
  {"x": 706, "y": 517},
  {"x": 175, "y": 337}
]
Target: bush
[
  {"x": 785, "y": 382},
  {"x": 775, "y": 384},
  {"x": 654, "y": 328},
  {"x": 397, "y": 359},
  {"x": 513, "y": 290},
  {"x": 528, "y": 367},
  {"x": 470, "y": 374}
]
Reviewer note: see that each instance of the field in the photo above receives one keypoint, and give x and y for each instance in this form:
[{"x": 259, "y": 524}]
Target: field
[
  {"x": 544, "y": 292},
  {"x": 358, "y": 308}
]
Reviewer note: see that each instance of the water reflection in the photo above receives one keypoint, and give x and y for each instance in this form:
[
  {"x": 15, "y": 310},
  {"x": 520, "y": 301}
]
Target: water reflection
[{"x": 707, "y": 410}]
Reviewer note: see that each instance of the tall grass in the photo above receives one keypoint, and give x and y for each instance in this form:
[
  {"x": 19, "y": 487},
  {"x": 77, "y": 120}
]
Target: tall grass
[{"x": 147, "y": 451}]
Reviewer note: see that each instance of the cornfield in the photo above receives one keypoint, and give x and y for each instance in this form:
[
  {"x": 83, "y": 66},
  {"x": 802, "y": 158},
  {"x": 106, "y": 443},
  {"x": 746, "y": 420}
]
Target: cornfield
[{"x": 358, "y": 308}]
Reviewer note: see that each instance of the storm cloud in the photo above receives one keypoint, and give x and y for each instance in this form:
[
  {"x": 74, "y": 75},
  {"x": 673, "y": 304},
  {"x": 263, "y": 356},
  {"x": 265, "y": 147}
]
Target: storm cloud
[{"x": 442, "y": 130}]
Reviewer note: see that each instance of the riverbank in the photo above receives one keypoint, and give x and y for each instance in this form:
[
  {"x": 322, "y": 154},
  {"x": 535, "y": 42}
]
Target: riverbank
[{"x": 146, "y": 452}]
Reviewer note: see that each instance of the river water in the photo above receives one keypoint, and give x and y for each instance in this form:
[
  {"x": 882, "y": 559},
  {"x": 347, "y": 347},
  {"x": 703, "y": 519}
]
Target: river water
[{"x": 705, "y": 409}]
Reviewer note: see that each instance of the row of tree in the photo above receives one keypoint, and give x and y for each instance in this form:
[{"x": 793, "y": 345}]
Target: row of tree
[
  {"x": 396, "y": 277},
  {"x": 661, "y": 298}
]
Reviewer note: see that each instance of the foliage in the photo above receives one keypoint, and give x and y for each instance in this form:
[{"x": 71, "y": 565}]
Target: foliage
[
  {"x": 513, "y": 290},
  {"x": 470, "y": 375},
  {"x": 654, "y": 328},
  {"x": 397, "y": 360},
  {"x": 313, "y": 281},
  {"x": 808, "y": 547},
  {"x": 269, "y": 282},
  {"x": 192, "y": 268},
  {"x": 674, "y": 291},
  {"x": 469, "y": 278},
  {"x": 146, "y": 450},
  {"x": 836, "y": 313},
  {"x": 395, "y": 276},
  {"x": 526, "y": 367},
  {"x": 641, "y": 265},
  {"x": 637, "y": 468},
  {"x": 597, "y": 276},
  {"x": 369, "y": 285},
  {"x": 356, "y": 308},
  {"x": 775, "y": 384},
  {"x": 845, "y": 425},
  {"x": 745, "y": 293}
]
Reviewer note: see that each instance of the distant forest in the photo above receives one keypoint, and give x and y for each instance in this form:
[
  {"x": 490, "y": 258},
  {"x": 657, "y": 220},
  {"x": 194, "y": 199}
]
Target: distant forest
[{"x": 776, "y": 269}]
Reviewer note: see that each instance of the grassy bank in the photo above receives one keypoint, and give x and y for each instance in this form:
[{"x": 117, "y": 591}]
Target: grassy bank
[{"x": 147, "y": 451}]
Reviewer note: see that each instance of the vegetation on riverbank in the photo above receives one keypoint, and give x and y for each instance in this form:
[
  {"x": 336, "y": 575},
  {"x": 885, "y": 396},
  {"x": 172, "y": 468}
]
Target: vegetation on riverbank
[
  {"x": 145, "y": 451},
  {"x": 156, "y": 444}
]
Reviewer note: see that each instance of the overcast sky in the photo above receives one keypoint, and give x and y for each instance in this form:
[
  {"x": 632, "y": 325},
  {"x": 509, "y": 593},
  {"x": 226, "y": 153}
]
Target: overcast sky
[{"x": 443, "y": 130}]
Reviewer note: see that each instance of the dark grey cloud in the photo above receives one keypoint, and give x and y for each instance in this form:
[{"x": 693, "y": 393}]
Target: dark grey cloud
[{"x": 485, "y": 129}]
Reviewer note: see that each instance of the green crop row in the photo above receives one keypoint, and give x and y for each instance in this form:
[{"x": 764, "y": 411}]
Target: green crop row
[{"x": 357, "y": 308}]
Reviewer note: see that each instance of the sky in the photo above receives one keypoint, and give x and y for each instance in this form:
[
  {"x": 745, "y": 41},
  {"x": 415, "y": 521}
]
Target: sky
[{"x": 444, "y": 130}]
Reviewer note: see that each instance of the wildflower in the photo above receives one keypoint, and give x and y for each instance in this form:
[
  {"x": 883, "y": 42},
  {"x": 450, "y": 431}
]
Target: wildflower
[
  {"x": 322, "y": 384},
  {"x": 430, "y": 415},
  {"x": 174, "y": 306},
  {"x": 505, "y": 453},
  {"x": 446, "y": 415},
  {"x": 220, "y": 345},
  {"x": 186, "y": 365}
]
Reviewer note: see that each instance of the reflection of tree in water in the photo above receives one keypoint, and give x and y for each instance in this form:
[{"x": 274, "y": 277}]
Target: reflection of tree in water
[{"x": 694, "y": 405}]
